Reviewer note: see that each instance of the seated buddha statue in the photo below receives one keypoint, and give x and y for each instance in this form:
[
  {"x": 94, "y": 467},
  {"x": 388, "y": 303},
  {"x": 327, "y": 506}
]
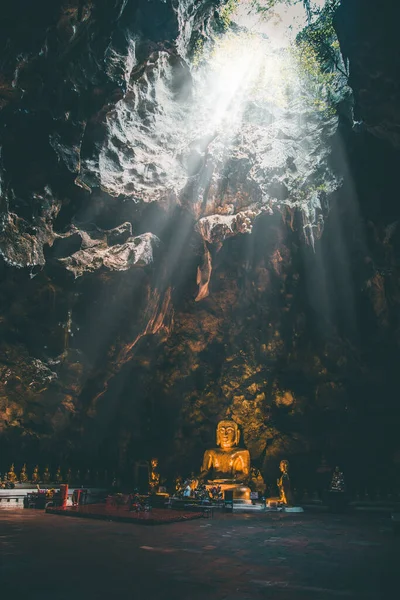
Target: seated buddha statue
[
  {"x": 227, "y": 465},
  {"x": 11, "y": 475}
]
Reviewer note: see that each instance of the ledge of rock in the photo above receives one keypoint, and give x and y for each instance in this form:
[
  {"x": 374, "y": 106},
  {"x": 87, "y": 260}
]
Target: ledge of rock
[{"x": 135, "y": 252}]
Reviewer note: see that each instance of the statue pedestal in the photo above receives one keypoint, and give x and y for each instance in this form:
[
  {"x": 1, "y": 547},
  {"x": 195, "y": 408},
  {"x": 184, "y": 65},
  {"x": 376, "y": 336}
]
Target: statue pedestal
[
  {"x": 241, "y": 493},
  {"x": 273, "y": 503}
]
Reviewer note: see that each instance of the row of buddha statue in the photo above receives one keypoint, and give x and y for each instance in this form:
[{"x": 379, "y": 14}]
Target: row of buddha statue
[
  {"x": 11, "y": 476},
  {"x": 225, "y": 467}
]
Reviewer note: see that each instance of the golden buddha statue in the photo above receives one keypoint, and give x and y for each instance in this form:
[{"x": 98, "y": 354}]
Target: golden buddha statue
[
  {"x": 178, "y": 485},
  {"x": 23, "y": 477},
  {"x": 35, "y": 475},
  {"x": 228, "y": 465},
  {"x": 11, "y": 474}
]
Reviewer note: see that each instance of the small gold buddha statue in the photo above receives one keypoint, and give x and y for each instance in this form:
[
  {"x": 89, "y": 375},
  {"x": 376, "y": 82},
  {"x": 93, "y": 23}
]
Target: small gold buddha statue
[
  {"x": 178, "y": 485},
  {"x": 35, "y": 475},
  {"x": 58, "y": 476},
  {"x": 23, "y": 477},
  {"x": 228, "y": 465},
  {"x": 257, "y": 480},
  {"x": 11, "y": 476},
  {"x": 46, "y": 475}
]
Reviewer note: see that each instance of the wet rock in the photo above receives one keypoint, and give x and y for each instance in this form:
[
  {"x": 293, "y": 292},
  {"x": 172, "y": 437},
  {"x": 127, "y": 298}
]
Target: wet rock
[
  {"x": 217, "y": 228},
  {"x": 135, "y": 252},
  {"x": 204, "y": 275},
  {"x": 67, "y": 245},
  {"x": 21, "y": 242},
  {"x": 120, "y": 234}
]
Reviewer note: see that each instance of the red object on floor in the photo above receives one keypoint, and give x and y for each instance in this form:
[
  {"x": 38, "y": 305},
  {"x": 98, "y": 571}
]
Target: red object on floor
[{"x": 157, "y": 516}]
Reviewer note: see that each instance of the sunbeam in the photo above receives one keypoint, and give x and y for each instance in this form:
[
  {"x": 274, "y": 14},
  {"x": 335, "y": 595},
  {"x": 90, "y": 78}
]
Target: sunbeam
[{"x": 256, "y": 103}]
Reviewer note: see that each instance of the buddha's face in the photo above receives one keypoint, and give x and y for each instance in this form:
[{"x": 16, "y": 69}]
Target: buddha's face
[{"x": 227, "y": 434}]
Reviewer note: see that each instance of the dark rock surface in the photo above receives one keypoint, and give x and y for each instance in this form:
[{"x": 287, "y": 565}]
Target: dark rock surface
[
  {"x": 146, "y": 292},
  {"x": 368, "y": 35}
]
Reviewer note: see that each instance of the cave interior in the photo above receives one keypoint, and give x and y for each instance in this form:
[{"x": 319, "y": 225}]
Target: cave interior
[{"x": 195, "y": 227}]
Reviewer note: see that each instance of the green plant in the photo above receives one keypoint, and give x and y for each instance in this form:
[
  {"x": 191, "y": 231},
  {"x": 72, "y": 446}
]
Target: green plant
[
  {"x": 198, "y": 52},
  {"x": 320, "y": 35},
  {"x": 226, "y": 12}
]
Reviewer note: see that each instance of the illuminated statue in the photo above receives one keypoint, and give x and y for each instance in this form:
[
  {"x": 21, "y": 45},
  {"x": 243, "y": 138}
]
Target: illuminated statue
[
  {"x": 154, "y": 476},
  {"x": 23, "y": 477},
  {"x": 285, "y": 492},
  {"x": 46, "y": 475},
  {"x": 193, "y": 482},
  {"x": 35, "y": 475},
  {"x": 68, "y": 477},
  {"x": 12, "y": 478},
  {"x": 228, "y": 465},
  {"x": 257, "y": 480},
  {"x": 178, "y": 486}
]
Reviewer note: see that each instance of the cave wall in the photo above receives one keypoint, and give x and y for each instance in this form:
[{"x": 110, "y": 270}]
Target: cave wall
[{"x": 105, "y": 352}]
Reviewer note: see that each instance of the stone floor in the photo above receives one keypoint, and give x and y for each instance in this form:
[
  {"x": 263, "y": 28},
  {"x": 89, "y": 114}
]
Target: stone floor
[
  {"x": 235, "y": 557},
  {"x": 157, "y": 516}
]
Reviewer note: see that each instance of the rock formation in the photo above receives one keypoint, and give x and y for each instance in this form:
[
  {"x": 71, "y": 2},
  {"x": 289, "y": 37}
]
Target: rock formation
[{"x": 159, "y": 274}]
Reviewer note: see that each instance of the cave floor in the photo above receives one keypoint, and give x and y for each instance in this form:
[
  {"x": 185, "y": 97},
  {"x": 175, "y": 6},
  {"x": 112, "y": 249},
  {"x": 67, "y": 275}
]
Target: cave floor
[{"x": 237, "y": 557}]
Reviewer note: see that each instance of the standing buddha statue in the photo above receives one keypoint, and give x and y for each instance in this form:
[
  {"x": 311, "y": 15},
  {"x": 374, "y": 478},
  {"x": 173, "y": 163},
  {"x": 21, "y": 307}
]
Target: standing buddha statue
[{"x": 285, "y": 492}]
